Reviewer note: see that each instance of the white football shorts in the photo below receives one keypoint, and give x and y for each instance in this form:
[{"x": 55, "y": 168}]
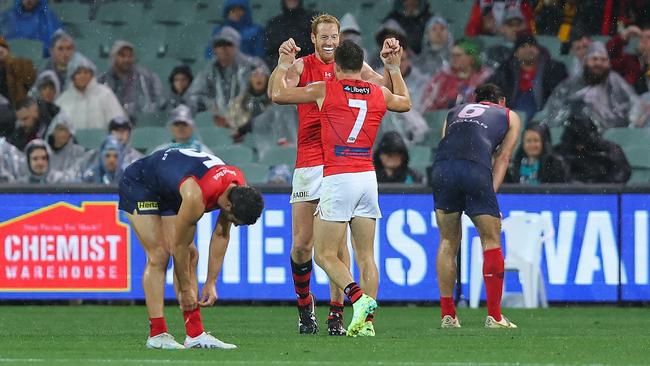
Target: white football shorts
[
  {"x": 348, "y": 195},
  {"x": 306, "y": 184}
]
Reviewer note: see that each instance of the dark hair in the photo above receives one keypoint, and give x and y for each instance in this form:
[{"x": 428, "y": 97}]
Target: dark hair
[
  {"x": 182, "y": 69},
  {"x": 247, "y": 204},
  {"x": 489, "y": 93},
  {"x": 349, "y": 56},
  {"x": 25, "y": 103}
]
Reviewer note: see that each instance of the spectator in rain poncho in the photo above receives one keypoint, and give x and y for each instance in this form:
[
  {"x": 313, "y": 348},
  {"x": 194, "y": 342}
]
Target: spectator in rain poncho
[
  {"x": 578, "y": 47},
  {"x": 89, "y": 103},
  {"x": 66, "y": 154},
  {"x": 249, "y": 105},
  {"x": 436, "y": 46},
  {"x": 277, "y": 126},
  {"x": 351, "y": 31},
  {"x": 109, "y": 167},
  {"x": 183, "y": 130},
  {"x": 391, "y": 160},
  {"x": 138, "y": 89},
  {"x": 31, "y": 19},
  {"x": 589, "y": 157},
  {"x": 180, "y": 80},
  {"x": 37, "y": 161},
  {"x": 120, "y": 128},
  {"x": 599, "y": 93},
  {"x": 29, "y": 125},
  {"x": 63, "y": 57},
  {"x": 224, "y": 78},
  {"x": 46, "y": 90},
  {"x": 412, "y": 16},
  {"x": 513, "y": 23},
  {"x": 294, "y": 22},
  {"x": 12, "y": 162},
  {"x": 238, "y": 15},
  {"x": 7, "y": 117}
]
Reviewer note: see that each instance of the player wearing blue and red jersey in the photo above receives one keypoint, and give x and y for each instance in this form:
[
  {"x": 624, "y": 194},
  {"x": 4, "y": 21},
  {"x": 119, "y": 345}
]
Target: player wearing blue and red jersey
[
  {"x": 351, "y": 111},
  {"x": 164, "y": 195},
  {"x": 308, "y": 173},
  {"x": 470, "y": 164}
]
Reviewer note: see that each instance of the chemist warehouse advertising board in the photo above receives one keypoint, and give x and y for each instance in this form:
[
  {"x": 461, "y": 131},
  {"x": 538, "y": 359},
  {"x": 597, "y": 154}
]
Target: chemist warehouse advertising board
[{"x": 59, "y": 246}]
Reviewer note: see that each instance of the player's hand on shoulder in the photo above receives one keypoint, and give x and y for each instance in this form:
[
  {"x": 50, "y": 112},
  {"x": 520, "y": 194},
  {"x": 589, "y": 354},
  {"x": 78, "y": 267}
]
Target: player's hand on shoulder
[
  {"x": 289, "y": 46},
  {"x": 208, "y": 294}
]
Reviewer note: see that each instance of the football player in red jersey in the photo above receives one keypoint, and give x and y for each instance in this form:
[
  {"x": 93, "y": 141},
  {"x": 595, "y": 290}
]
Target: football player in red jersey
[
  {"x": 351, "y": 111},
  {"x": 308, "y": 172},
  {"x": 164, "y": 195}
]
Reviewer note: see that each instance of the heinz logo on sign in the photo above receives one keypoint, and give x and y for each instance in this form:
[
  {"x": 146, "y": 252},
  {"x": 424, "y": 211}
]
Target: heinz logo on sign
[{"x": 62, "y": 247}]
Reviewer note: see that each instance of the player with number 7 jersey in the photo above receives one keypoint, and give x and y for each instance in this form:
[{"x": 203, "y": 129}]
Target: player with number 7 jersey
[
  {"x": 351, "y": 111},
  {"x": 164, "y": 195}
]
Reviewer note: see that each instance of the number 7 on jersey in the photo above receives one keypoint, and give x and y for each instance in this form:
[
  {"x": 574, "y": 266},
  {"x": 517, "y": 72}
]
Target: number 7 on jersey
[{"x": 362, "y": 105}]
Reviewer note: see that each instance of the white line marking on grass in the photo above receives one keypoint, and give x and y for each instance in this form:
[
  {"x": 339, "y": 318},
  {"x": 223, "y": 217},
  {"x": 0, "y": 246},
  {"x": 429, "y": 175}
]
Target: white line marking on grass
[{"x": 276, "y": 362}]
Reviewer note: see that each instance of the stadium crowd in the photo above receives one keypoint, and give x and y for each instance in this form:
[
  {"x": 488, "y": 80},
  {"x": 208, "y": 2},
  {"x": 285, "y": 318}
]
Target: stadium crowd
[{"x": 597, "y": 79}]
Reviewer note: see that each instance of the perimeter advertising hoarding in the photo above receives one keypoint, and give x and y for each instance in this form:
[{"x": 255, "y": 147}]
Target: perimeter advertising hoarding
[{"x": 42, "y": 233}]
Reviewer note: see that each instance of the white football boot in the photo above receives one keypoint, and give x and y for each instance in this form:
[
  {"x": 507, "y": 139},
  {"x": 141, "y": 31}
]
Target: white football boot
[
  {"x": 163, "y": 341},
  {"x": 504, "y": 323},
  {"x": 449, "y": 322},
  {"x": 206, "y": 340}
]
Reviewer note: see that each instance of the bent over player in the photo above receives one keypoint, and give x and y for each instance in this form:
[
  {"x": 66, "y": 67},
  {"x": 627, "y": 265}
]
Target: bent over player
[
  {"x": 470, "y": 164},
  {"x": 351, "y": 111},
  {"x": 308, "y": 172},
  {"x": 164, "y": 195}
]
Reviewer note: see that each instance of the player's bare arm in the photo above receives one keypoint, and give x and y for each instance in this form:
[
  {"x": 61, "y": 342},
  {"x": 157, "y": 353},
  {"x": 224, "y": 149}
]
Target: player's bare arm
[
  {"x": 283, "y": 93},
  {"x": 218, "y": 245},
  {"x": 191, "y": 210},
  {"x": 368, "y": 74},
  {"x": 293, "y": 74},
  {"x": 399, "y": 100},
  {"x": 503, "y": 154}
]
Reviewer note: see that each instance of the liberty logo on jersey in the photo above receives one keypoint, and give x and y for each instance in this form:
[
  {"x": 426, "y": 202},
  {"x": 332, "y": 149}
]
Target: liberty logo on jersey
[{"x": 355, "y": 89}]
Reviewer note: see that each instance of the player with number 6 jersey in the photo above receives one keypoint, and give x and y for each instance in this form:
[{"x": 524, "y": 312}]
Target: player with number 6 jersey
[
  {"x": 164, "y": 195},
  {"x": 350, "y": 113}
]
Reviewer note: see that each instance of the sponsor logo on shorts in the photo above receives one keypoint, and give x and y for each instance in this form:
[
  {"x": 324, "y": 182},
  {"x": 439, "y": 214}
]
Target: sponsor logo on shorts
[
  {"x": 303, "y": 194},
  {"x": 147, "y": 205},
  {"x": 355, "y": 89}
]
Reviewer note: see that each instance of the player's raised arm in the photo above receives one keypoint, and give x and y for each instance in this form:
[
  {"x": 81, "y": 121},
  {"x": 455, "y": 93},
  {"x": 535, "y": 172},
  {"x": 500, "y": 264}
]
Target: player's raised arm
[
  {"x": 184, "y": 227},
  {"x": 282, "y": 93},
  {"x": 218, "y": 245},
  {"x": 370, "y": 75},
  {"x": 292, "y": 76},
  {"x": 502, "y": 155},
  {"x": 399, "y": 100}
]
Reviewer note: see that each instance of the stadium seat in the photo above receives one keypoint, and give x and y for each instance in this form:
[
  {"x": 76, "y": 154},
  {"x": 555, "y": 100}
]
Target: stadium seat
[
  {"x": 524, "y": 234},
  {"x": 27, "y": 48},
  {"x": 158, "y": 119},
  {"x": 235, "y": 154},
  {"x": 204, "y": 120},
  {"x": 523, "y": 116},
  {"x": 172, "y": 12},
  {"x": 639, "y": 176},
  {"x": 187, "y": 42},
  {"x": 255, "y": 173},
  {"x": 420, "y": 155},
  {"x": 90, "y": 138},
  {"x": 279, "y": 155},
  {"x": 71, "y": 12},
  {"x": 627, "y": 137},
  {"x": 556, "y": 134},
  {"x": 638, "y": 156},
  {"x": 552, "y": 43},
  {"x": 216, "y": 137},
  {"x": 146, "y": 138},
  {"x": 120, "y": 13}
]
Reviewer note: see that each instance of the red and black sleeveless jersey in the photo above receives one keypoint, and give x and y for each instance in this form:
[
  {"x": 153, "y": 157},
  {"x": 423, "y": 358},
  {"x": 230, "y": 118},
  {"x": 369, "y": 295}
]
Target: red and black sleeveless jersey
[{"x": 350, "y": 117}]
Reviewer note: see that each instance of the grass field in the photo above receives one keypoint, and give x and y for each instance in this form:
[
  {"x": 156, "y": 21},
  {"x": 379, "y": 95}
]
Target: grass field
[{"x": 115, "y": 335}]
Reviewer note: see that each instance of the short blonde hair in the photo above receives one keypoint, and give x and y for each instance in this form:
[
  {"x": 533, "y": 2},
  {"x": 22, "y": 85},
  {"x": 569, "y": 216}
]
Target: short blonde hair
[{"x": 324, "y": 18}]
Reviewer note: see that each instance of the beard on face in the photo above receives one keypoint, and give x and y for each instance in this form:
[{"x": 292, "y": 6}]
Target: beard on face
[{"x": 594, "y": 78}]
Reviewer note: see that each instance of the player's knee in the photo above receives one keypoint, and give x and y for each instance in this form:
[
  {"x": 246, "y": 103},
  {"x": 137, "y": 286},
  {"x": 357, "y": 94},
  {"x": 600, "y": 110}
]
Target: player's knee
[
  {"x": 302, "y": 246},
  {"x": 322, "y": 259},
  {"x": 194, "y": 256},
  {"x": 158, "y": 258}
]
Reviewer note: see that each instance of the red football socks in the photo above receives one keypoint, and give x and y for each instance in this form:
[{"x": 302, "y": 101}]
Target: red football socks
[
  {"x": 301, "y": 277},
  {"x": 336, "y": 309},
  {"x": 193, "y": 323},
  {"x": 493, "y": 276},
  {"x": 157, "y": 326},
  {"x": 353, "y": 292},
  {"x": 447, "y": 307}
]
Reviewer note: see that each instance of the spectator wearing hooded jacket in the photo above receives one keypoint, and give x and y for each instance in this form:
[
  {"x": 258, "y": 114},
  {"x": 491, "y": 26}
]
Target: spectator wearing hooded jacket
[
  {"x": 12, "y": 162},
  {"x": 7, "y": 117},
  {"x": 66, "y": 154},
  {"x": 89, "y": 103},
  {"x": 120, "y": 128},
  {"x": 29, "y": 125},
  {"x": 237, "y": 14},
  {"x": 16, "y": 74},
  {"x": 109, "y": 167},
  {"x": 412, "y": 16},
  {"x": 599, "y": 93},
  {"x": 487, "y": 16},
  {"x": 37, "y": 160},
  {"x": 138, "y": 90},
  {"x": 183, "y": 131},
  {"x": 294, "y": 22},
  {"x": 436, "y": 46},
  {"x": 180, "y": 80},
  {"x": 391, "y": 160},
  {"x": 455, "y": 84},
  {"x": 513, "y": 24},
  {"x": 351, "y": 31},
  {"x": 534, "y": 161},
  {"x": 31, "y": 19},
  {"x": 591, "y": 158},
  {"x": 635, "y": 67},
  {"x": 529, "y": 77},
  {"x": 250, "y": 104},
  {"x": 224, "y": 78},
  {"x": 46, "y": 91},
  {"x": 64, "y": 56}
]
